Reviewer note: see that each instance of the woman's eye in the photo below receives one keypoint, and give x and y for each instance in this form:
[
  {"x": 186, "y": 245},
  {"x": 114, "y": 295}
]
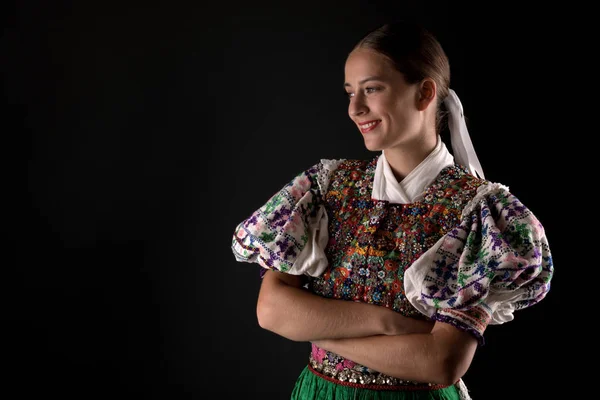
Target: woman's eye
[{"x": 367, "y": 90}]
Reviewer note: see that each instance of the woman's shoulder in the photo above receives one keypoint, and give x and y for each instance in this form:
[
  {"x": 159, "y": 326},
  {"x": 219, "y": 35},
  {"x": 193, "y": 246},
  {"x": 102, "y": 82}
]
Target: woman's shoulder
[{"x": 495, "y": 261}]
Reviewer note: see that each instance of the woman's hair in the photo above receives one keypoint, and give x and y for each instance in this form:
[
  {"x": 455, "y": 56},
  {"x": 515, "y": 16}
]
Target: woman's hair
[{"x": 415, "y": 52}]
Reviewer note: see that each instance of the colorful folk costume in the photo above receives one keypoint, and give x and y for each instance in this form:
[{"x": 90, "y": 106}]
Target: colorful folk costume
[{"x": 443, "y": 244}]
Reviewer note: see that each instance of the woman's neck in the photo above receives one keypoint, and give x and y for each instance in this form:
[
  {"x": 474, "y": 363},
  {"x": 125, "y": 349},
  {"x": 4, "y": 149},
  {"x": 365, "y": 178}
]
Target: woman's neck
[{"x": 403, "y": 159}]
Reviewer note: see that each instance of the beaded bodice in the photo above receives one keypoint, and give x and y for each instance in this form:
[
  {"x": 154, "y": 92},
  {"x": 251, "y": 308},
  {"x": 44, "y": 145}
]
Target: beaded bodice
[{"x": 373, "y": 242}]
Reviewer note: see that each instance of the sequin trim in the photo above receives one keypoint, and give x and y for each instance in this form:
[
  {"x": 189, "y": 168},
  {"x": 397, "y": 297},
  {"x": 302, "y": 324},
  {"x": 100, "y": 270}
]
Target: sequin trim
[{"x": 365, "y": 378}]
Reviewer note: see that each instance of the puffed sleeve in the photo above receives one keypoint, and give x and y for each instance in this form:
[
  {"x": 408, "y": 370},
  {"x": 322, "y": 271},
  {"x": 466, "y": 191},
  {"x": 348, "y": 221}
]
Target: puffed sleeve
[
  {"x": 496, "y": 261},
  {"x": 290, "y": 232}
]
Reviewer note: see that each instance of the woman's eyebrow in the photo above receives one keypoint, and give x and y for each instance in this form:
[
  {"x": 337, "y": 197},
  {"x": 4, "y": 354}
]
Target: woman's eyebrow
[{"x": 370, "y": 78}]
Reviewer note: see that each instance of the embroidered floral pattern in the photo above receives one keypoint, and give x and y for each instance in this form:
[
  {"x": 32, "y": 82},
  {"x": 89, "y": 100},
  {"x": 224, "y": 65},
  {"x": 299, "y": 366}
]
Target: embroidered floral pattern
[
  {"x": 275, "y": 234},
  {"x": 495, "y": 261},
  {"x": 493, "y": 256},
  {"x": 373, "y": 242}
]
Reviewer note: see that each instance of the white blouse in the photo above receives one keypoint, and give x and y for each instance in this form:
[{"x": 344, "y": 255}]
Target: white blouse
[{"x": 522, "y": 279}]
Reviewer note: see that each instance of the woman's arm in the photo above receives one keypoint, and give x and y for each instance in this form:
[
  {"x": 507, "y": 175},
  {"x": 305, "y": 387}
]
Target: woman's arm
[
  {"x": 441, "y": 356},
  {"x": 285, "y": 308}
]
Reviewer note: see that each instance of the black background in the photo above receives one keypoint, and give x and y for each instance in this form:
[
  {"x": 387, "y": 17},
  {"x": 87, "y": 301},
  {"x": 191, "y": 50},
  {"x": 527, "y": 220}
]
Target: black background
[{"x": 149, "y": 130}]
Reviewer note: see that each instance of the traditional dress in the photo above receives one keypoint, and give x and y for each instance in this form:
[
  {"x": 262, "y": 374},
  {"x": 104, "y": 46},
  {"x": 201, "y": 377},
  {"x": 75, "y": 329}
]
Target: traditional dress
[{"x": 442, "y": 245}]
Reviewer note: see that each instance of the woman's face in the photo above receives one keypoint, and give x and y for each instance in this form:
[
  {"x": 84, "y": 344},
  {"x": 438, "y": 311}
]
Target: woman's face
[{"x": 382, "y": 104}]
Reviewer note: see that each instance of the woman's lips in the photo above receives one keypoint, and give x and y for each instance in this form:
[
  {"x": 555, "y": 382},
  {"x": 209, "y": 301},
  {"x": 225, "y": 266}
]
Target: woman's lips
[{"x": 368, "y": 126}]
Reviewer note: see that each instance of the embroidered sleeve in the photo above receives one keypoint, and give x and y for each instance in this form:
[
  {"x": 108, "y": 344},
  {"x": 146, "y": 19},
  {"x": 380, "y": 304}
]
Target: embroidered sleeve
[
  {"x": 496, "y": 261},
  {"x": 289, "y": 233}
]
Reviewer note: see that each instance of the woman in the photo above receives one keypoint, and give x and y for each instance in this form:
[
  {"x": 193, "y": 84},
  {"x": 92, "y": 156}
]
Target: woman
[{"x": 393, "y": 267}]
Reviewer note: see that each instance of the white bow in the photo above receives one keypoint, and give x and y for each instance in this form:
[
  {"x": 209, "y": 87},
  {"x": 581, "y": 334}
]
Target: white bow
[{"x": 462, "y": 147}]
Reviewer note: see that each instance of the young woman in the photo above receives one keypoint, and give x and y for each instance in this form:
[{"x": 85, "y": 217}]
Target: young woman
[{"x": 393, "y": 267}]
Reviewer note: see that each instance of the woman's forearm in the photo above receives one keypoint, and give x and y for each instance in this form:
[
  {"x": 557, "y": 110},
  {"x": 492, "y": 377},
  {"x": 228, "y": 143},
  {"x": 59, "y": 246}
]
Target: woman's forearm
[
  {"x": 285, "y": 308},
  {"x": 442, "y": 356}
]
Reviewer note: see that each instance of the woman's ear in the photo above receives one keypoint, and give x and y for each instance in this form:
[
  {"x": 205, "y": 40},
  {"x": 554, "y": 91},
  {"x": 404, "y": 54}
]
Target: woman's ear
[{"x": 426, "y": 93}]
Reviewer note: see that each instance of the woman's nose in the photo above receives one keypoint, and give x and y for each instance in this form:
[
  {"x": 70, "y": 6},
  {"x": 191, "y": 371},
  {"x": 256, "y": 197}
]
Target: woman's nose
[{"x": 357, "y": 107}]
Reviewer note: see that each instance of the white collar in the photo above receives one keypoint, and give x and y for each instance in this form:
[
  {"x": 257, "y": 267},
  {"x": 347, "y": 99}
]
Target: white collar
[{"x": 412, "y": 187}]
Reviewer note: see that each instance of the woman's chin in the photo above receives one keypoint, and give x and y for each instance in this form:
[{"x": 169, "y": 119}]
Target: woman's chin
[{"x": 372, "y": 146}]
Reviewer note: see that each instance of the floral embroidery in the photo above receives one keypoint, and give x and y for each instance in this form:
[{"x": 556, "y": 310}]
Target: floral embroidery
[
  {"x": 373, "y": 242},
  {"x": 275, "y": 234},
  {"x": 496, "y": 260},
  {"x": 497, "y": 245}
]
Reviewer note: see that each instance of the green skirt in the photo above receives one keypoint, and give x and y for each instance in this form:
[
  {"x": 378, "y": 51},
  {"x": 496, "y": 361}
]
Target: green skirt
[{"x": 312, "y": 387}]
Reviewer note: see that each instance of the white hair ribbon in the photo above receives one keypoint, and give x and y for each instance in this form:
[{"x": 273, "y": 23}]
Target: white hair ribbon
[{"x": 462, "y": 147}]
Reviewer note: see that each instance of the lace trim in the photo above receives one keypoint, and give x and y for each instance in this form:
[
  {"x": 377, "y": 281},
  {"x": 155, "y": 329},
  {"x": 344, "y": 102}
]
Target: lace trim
[
  {"x": 462, "y": 390},
  {"x": 483, "y": 191},
  {"x": 327, "y": 167}
]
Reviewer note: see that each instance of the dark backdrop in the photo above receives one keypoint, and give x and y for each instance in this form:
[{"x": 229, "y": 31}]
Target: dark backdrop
[{"x": 148, "y": 131}]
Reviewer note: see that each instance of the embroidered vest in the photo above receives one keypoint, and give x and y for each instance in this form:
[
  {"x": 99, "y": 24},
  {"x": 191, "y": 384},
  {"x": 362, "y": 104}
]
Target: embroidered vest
[{"x": 373, "y": 242}]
